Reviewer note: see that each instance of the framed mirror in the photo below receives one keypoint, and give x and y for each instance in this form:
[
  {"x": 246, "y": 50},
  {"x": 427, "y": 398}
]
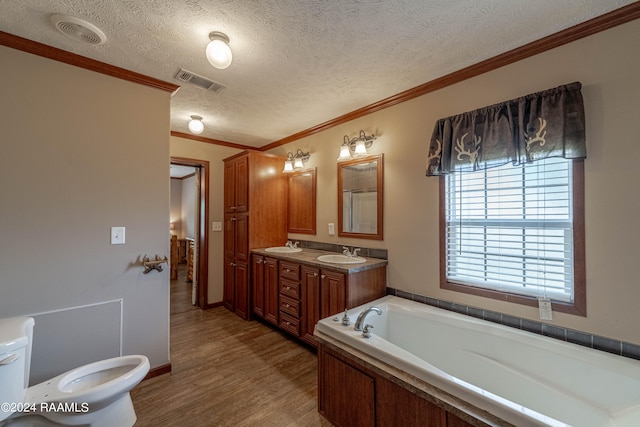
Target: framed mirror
[
  {"x": 302, "y": 202},
  {"x": 360, "y": 195}
]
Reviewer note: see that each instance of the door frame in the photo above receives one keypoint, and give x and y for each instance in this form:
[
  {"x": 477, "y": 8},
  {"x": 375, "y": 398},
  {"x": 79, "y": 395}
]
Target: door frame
[{"x": 203, "y": 221}]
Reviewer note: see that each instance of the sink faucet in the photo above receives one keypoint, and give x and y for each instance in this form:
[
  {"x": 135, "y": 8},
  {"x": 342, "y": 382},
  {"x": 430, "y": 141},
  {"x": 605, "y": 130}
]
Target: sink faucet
[
  {"x": 363, "y": 315},
  {"x": 295, "y": 245},
  {"x": 346, "y": 252},
  {"x": 289, "y": 244}
]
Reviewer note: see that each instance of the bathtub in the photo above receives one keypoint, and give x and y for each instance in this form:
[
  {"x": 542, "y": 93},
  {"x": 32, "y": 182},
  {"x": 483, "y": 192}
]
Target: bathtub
[{"x": 522, "y": 378}]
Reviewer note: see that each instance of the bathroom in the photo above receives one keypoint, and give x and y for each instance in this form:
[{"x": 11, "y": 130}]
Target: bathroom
[{"x": 64, "y": 194}]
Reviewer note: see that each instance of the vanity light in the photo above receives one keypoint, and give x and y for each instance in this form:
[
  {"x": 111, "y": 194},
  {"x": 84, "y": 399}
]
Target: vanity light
[
  {"x": 218, "y": 51},
  {"x": 358, "y": 145},
  {"x": 195, "y": 125},
  {"x": 295, "y": 161}
]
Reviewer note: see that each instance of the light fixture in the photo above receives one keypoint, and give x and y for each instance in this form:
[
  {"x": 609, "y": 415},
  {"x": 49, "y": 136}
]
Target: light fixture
[
  {"x": 358, "y": 145},
  {"x": 195, "y": 125},
  {"x": 295, "y": 161},
  {"x": 218, "y": 51}
]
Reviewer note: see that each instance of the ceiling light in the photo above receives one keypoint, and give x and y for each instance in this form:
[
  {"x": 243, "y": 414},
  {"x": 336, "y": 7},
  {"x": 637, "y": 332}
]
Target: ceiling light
[
  {"x": 358, "y": 145},
  {"x": 218, "y": 50},
  {"x": 195, "y": 125}
]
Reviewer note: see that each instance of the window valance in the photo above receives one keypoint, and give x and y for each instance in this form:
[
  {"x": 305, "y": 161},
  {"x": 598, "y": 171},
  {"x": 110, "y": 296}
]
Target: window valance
[{"x": 536, "y": 126}]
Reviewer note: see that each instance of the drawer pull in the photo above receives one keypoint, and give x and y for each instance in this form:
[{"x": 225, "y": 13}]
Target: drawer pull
[{"x": 323, "y": 276}]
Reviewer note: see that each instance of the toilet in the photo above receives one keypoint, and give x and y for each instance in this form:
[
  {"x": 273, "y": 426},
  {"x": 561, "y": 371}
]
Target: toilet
[{"x": 95, "y": 395}]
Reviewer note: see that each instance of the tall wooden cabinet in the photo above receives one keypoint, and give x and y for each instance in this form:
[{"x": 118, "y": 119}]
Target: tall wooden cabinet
[{"x": 255, "y": 215}]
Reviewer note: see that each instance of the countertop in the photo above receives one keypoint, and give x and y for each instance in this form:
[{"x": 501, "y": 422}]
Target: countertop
[{"x": 310, "y": 257}]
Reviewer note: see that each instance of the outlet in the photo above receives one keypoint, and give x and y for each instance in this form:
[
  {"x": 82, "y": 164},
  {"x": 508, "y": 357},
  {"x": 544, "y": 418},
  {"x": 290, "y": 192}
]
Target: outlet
[
  {"x": 117, "y": 235},
  {"x": 332, "y": 229},
  {"x": 216, "y": 226}
]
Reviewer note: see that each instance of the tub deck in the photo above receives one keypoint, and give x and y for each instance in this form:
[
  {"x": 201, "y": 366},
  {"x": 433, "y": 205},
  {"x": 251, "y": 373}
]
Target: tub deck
[{"x": 520, "y": 377}]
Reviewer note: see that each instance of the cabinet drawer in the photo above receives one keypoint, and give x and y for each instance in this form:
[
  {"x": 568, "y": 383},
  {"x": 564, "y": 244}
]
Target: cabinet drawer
[
  {"x": 289, "y": 288},
  {"x": 290, "y": 270},
  {"x": 289, "y": 324},
  {"x": 290, "y": 306}
]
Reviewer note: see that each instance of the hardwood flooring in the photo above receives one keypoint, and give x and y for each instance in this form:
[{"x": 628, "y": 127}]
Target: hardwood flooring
[{"x": 229, "y": 372}]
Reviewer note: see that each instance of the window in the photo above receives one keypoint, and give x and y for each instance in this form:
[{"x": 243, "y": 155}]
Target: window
[{"x": 516, "y": 233}]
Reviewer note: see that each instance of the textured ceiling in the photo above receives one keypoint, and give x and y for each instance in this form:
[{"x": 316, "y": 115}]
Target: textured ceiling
[{"x": 297, "y": 63}]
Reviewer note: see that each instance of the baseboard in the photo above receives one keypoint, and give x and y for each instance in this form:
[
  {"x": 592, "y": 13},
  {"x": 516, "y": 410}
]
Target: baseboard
[
  {"x": 213, "y": 305},
  {"x": 157, "y": 371}
]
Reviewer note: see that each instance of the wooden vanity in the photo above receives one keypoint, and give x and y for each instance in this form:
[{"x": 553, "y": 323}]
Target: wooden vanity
[{"x": 295, "y": 290}]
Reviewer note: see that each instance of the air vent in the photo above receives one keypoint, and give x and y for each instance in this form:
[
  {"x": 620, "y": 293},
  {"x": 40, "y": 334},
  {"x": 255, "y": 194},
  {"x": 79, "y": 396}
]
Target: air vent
[
  {"x": 78, "y": 29},
  {"x": 196, "y": 80}
]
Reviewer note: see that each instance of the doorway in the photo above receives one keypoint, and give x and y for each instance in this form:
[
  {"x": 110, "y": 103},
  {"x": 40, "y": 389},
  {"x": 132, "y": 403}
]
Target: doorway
[{"x": 196, "y": 226}]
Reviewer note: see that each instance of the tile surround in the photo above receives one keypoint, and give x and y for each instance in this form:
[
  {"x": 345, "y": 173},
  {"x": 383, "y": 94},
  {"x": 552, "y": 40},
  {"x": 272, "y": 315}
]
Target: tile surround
[{"x": 597, "y": 342}]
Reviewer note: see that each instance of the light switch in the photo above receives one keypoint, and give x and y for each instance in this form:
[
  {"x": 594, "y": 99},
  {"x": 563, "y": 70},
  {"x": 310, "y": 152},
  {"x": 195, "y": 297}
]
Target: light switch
[
  {"x": 332, "y": 229},
  {"x": 117, "y": 235},
  {"x": 216, "y": 226}
]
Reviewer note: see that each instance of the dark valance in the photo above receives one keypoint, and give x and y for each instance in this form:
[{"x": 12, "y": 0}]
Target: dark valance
[{"x": 544, "y": 124}]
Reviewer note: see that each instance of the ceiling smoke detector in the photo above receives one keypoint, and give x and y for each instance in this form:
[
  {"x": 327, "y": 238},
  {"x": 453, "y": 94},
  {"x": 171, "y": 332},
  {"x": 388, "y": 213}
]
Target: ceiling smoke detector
[{"x": 78, "y": 29}]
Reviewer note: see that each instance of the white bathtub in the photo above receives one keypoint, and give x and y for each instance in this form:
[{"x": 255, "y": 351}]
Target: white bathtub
[{"x": 520, "y": 377}]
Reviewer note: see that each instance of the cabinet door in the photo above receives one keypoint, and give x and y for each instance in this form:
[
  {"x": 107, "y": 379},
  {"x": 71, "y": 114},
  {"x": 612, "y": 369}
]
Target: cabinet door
[
  {"x": 230, "y": 186},
  {"x": 229, "y": 236},
  {"x": 242, "y": 251},
  {"x": 396, "y": 406},
  {"x": 310, "y": 300},
  {"x": 257, "y": 285},
  {"x": 242, "y": 289},
  {"x": 345, "y": 394},
  {"x": 271, "y": 290},
  {"x": 242, "y": 184},
  {"x": 333, "y": 293},
  {"x": 229, "y": 293}
]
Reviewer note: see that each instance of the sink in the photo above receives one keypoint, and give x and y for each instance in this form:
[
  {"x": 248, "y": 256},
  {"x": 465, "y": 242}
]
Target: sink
[
  {"x": 341, "y": 259},
  {"x": 283, "y": 249}
]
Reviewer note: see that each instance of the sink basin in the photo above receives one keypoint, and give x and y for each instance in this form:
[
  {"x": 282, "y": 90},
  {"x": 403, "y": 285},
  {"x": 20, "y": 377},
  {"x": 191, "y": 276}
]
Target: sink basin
[
  {"x": 283, "y": 249},
  {"x": 341, "y": 259}
]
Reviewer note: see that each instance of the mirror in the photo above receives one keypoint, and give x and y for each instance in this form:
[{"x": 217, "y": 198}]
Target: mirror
[
  {"x": 360, "y": 198},
  {"x": 302, "y": 202}
]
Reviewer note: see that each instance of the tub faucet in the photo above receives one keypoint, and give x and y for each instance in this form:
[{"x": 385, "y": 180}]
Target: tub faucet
[{"x": 363, "y": 315}]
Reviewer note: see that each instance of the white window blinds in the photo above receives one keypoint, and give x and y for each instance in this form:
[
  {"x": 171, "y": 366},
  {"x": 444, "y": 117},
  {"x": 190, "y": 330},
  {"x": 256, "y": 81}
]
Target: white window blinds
[{"x": 510, "y": 229}]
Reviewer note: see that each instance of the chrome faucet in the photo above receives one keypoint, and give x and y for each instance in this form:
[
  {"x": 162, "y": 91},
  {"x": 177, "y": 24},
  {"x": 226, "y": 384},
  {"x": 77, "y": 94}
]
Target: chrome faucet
[
  {"x": 295, "y": 245},
  {"x": 363, "y": 315},
  {"x": 352, "y": 254}
]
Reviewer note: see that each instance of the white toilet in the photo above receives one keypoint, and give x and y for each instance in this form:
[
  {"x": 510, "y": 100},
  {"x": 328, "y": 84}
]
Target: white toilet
[{"x": 95, "y": 395}]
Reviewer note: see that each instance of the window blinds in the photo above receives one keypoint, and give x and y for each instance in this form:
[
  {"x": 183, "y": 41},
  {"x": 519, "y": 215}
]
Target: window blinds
[{"x": 510, "y": 229}]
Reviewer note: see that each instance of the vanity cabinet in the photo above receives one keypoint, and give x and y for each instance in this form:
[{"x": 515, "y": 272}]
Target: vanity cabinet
[
  {"x": 255, "y": 212},
  {"x": 305, "y": 293},
  {"x": 379, "y": 401},
  {"x": 264, "y": 289},
  {"x": 290, "y": 297}
]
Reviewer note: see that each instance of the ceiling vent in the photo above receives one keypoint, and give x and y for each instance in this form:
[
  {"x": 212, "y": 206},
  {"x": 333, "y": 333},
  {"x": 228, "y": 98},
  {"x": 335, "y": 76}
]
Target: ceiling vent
[
  {"x": 196, "y": 80},
  {"x": 78, "y": 29}
]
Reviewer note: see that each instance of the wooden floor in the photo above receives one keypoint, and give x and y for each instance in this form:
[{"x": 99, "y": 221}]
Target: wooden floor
[{"x": 228, "y": 372}]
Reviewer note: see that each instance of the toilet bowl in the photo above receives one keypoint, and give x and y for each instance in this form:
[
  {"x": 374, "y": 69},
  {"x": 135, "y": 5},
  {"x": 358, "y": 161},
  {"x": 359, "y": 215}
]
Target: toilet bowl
[{"x": 95, "y": 395}]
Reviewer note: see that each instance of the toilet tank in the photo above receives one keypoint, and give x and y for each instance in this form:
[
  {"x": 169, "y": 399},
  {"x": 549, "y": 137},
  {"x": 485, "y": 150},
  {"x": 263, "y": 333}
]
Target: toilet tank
[{"x": 16, "y": 335}]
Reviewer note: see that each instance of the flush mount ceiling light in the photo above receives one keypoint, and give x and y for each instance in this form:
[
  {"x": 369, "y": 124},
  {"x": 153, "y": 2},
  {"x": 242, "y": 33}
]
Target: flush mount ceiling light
[
  {"x": 78, "y": 29},
  {"x": 195, "y": 125},
  {"x": 218, "y": 50},
  {"x": 357, "y": 145},
  {"x": 295, "y": 161}
]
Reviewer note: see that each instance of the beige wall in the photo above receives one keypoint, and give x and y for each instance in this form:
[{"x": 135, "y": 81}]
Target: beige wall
[
  {"x": 214, "y": 154},
  {"x": 608, "y": 66},
  {"x": 82, "y": 152}
]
